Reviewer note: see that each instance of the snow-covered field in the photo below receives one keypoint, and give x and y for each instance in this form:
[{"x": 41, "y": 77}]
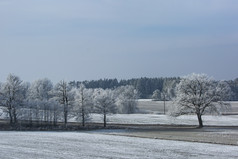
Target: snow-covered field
[
  {"x": 231, "y": 120},
  {"x": 52, "y": 145},
  {"x": 95, "y": 144},
  {"x": 157, "y": 107},
  {"x": 209, "y": 120}
]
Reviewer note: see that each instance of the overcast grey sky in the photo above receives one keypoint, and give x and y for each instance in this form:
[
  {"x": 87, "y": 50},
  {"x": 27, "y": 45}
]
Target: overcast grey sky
[{"x": 93, "y": 39}]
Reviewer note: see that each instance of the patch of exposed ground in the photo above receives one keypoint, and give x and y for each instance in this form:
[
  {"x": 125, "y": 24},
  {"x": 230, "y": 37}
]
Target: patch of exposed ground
[{"x": 215, "y": 135}]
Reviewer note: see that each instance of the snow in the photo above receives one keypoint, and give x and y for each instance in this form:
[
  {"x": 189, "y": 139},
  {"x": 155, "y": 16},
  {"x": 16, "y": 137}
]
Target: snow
[
  {"x": 18, "y": 145},
  {"x": 231, "y": 120},
  {"x": 145, "y": 100}
]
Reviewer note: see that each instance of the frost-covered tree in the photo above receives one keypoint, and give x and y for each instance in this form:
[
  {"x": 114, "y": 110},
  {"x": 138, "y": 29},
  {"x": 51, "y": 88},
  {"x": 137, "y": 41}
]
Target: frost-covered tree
[
  {"x": 41, "y": 89},
  {"x": 82, "y": 103},
  {"x": 126, "y": 100},
  {"x": 104, "y": 103},
  {"x": 39, "y": 94},
  {"x": 198, "y": 94},
  {"x": 12, "y": 97},
  {"x": 156, "y": 95},
  {"x": 168, "y": 91},
  {"x": 23, "y": 112},
  {"x": 65, "y": 97},
  {"x": 55, "y": 111}
]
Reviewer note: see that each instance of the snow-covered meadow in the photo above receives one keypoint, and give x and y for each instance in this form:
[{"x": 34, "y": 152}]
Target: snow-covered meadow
[
  {"x": 209, "y": 120},
  {"x": 149, "y": 106},
  {"x": 231, "y": 120},
  {"x": 18, "y": 145}
]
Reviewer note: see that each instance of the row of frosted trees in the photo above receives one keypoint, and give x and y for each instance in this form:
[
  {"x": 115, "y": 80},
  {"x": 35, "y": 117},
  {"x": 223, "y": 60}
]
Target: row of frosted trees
[{"x": 42, "y": 102}]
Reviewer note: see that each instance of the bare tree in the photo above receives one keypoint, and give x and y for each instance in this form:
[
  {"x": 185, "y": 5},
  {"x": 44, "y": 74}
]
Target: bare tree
[
  {"x": 105, "y": 103},
  {"x": 39, "y": 95},
  {"x": 168, "y": 91},
  {"x": 55, "y": 111},
  {"x": 23, "y": 112},
  {"x": 65, "y": 98},
  {"x": 198, "y": 94},
  {"x": 12, "y": 97},
  {"x": 83, "y": 103}
]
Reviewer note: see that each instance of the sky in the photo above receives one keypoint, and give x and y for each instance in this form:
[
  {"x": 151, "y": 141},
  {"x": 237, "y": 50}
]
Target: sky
[{"x": 93, "y": 39}]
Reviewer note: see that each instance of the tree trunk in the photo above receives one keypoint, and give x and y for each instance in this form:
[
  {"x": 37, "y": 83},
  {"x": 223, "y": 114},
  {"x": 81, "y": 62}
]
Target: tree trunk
[
  {"x": 65, "y": 118},
  {"x": 83, "y": 113},
  {"x": 30, "y": 117},
  {"x": 14, "y": 115},
  {"x": 200, "y": 120},
  {"x": 55, "y": 118},
  {"x": 37, "y": 115},
  {"x": 83, "y": 116},
  {"x": 105, "y": 120},
  {"x": 164, "y": 106},
  {"x": 10, "y": 116}
]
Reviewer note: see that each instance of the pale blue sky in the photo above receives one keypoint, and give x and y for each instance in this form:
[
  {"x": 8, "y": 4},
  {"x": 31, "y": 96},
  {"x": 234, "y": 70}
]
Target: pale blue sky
[{"x": 93, "y": 39}]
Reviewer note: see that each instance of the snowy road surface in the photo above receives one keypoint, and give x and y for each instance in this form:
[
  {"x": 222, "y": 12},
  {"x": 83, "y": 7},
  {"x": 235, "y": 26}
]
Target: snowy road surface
[{"x": 23, "y": 145}]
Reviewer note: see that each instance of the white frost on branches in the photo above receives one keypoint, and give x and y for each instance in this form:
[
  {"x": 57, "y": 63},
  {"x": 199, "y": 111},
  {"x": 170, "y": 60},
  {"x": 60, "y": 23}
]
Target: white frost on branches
[
  {"x": 199, "y": 94},
  {"x": 126, "y": 100},
  {"x": 83, "y": 104}
]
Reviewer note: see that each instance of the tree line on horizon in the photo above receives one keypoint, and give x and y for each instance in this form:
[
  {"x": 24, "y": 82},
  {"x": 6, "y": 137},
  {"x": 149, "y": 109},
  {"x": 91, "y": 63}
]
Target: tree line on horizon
[
  {"x": 145, "y": 86},
  {"x": 148, "y": 88}
]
